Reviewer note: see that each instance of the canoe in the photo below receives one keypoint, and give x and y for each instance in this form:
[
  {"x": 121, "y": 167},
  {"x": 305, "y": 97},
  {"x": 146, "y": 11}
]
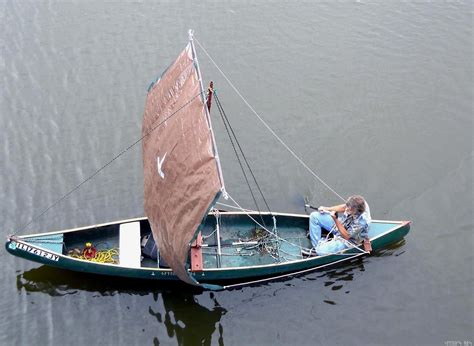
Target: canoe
[
  {"x": 183, "y": 236},
  {"x": 246, "y": 253}
]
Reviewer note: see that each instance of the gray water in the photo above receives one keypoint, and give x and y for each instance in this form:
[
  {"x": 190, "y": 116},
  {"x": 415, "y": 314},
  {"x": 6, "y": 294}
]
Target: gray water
[{"x": 376, "y": 98}]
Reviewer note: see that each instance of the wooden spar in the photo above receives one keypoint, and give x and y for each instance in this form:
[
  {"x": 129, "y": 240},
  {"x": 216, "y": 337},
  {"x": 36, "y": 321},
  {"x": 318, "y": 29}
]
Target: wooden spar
[
  {"x": 210, "y": 91},
  {"x": 214, "y": 145},
  {"x": 196, "y": 247}
]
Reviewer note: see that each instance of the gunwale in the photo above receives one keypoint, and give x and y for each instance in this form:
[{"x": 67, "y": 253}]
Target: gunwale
[{"x": 343, "y": 256}]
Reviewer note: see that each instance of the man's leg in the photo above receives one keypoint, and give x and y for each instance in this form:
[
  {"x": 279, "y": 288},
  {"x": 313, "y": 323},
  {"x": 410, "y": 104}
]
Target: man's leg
[
  {"x": 330, "y": 247},
  {"x": 317, "y": 221}
]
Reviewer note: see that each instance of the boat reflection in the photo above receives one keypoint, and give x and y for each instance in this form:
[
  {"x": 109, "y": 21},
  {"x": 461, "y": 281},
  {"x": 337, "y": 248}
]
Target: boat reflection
[
  {"x": 176, "y": 306},
  {"x": 186, "y": 320},
  {"x": 59, "y": 282}
]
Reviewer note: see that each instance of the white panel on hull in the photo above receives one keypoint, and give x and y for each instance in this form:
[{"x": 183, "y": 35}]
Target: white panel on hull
[{"x": 130, "y": 249}]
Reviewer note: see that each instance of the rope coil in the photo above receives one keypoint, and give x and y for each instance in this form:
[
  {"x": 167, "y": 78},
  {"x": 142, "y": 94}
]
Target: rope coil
[{"x": 101, "y": 256}]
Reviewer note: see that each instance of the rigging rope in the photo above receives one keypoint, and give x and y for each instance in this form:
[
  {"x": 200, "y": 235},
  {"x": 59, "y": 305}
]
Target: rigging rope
[
  {"x": 218, "y": 102},
  {"x": 232, "y": 137},
  {"x": 267, "y": 126},
  {"x": 231, "y": 206},
  {"x": 59, "y": 200},
  {"x": 291, "y": 274},
  {"x": 263, "y": 227},
  {"x": 278, "y": 238}
]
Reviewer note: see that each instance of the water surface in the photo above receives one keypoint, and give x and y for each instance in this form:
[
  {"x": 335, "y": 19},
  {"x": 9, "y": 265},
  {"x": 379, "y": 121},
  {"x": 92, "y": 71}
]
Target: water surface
[{"x": 376, "y": 99}]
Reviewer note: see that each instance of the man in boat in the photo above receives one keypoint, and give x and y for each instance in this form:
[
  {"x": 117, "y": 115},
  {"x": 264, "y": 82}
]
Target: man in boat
[{"x": 349, "y": 229}]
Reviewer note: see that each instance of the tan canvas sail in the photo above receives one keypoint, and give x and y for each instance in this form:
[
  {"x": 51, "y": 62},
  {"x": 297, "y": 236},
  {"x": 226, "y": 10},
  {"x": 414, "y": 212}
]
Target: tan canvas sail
[{"x": 181, "y": 175}]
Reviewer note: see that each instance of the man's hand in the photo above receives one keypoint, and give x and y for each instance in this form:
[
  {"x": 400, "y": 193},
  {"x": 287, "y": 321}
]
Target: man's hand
[
  {"x": 367, "y": 246},
  {"x": 326, "y": 210}
]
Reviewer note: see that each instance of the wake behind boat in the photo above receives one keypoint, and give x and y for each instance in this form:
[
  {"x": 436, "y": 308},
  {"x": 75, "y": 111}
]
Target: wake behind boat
[{"x": 183, "y": 236}]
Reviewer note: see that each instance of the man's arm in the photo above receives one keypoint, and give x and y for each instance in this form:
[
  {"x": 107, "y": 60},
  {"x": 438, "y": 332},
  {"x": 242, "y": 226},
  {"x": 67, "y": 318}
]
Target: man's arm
[
  {"x": 340, "y": 227},
  {"x": 332, "y": 211},
  {"x": 337, "y": 208}
]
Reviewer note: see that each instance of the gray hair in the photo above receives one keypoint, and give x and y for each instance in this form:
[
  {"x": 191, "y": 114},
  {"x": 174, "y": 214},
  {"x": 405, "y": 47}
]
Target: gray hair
[{"x": 357, "y": 203}]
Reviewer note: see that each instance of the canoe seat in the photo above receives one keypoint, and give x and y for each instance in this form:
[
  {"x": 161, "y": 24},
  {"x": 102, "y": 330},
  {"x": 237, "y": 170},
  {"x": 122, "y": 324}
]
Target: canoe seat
[{"x": 129, "y": 246}]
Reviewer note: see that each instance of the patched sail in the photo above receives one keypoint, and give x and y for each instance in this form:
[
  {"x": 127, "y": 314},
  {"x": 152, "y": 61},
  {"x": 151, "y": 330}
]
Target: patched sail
[{"x": 181, "y": 174}]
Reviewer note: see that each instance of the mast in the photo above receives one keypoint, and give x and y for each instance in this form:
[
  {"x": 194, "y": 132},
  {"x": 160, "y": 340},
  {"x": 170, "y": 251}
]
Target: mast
[
  {"x": 210, "y": 91},
  {"x": 208, "y": 116}
]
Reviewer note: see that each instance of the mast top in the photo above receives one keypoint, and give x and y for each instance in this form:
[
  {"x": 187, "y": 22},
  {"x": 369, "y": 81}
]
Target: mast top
[{"x": 190, "y": 34}]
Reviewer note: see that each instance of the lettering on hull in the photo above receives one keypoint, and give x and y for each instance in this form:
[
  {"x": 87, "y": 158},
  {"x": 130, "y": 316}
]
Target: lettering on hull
[
  {"x": 167, "y": 273},
  {"x": 34, "y": 251}
]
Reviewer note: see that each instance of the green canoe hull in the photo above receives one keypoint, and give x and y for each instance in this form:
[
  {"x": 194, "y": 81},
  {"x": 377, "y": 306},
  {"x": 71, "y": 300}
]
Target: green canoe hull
[{"x": 235, "y": 263}]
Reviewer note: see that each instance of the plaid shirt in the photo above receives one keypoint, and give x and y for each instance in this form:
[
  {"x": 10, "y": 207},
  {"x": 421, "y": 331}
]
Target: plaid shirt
[{"x": 356, "y": 225}]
